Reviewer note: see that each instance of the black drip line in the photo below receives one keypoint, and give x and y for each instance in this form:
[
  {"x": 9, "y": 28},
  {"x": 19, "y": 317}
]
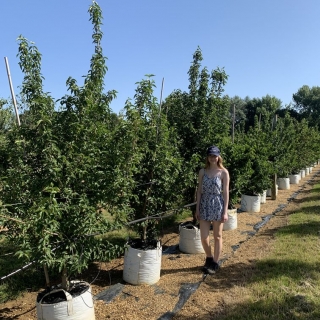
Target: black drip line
[{"x": 156, "y": 217}]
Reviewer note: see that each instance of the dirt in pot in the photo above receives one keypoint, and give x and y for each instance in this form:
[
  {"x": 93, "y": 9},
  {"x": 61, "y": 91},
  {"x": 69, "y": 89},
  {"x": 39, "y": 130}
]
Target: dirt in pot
[
  {"x": 140, "y": 244},
  {"x": 190, "y": 225},
  {"x": 76, "y": 290}
]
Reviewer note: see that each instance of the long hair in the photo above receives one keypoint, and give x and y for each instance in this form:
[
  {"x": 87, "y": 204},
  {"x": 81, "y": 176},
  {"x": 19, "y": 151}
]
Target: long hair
[{"x": 219, "y": 163}]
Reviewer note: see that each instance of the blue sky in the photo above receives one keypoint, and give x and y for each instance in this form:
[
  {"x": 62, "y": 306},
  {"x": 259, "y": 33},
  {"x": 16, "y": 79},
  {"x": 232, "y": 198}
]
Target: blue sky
[{"x": 266, "y": 46}]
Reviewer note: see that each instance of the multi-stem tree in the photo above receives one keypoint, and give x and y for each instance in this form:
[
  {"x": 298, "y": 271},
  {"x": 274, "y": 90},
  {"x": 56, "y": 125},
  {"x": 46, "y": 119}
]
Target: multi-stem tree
[
  {"x": 155, "y": 146},
  {"x": 201, "y": 118},
  {"x": 63, "y": 167}
]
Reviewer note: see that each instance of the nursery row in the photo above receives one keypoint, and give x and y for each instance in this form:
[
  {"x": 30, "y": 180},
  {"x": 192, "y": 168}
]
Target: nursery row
[{"x": 72, "y": 168}]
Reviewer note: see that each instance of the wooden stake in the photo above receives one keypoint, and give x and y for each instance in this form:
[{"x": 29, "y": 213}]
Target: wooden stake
[
  {"x": 11, "y": 89},
  {"x": 233, "y": 122},
  {"x": 160, "y": 105},
  {"x": 274, "y": 178},
  {"x": 161, "y": 93}
]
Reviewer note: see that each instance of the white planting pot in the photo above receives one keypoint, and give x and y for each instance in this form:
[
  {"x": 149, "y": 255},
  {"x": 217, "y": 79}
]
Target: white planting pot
[
  {"x": 142, "y": 266},
  {"x": 78, "y": 308},
  {"x": 294, "y": 178},
  {"x": 190, "y": 239},
  {"x": 250, "y": 203},
  {"x": 310, "y": 169},
  {"x": 283, "y": 183},
  {"x": 232, "y": 222},
  {"x": 302, "y": 173},
  {"x": 269, "y": 193},
  {"x": 263, "y": 197},
  {"x": 307, "y": 171}
]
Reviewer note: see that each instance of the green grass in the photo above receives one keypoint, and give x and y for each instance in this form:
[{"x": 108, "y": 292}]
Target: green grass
[
  {"x": 286, "y": 284},
  {"x": 119, "y": 237}
]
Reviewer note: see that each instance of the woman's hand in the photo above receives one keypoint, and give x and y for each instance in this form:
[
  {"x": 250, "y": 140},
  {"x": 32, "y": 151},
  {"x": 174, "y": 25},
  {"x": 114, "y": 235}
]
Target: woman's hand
[{"x": 225, "y": 217}]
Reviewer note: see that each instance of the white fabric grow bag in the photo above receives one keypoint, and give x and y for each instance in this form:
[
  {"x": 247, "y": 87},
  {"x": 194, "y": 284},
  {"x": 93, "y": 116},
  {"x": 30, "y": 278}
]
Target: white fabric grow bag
[
  {"x": 263, "y": 197},
  {"x": 302, "y": 173},
  {"x": 283, "y": 183},
  {"x": 190, "y": 239},
  {"x": 307, "y": 171},
  {"x": 294, "y": 178},
  {"x": 232, "y": 222},
  {"x": 250, "y": 203},
  {"x": 77, "y": 308},
  {"x": 269, "y": 193},
  {"x": 142, "y": 266}
]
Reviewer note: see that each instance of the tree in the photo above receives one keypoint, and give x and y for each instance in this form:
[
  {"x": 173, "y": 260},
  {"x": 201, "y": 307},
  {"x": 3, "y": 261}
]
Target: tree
[
  {"x": 307, "y": 103},
  {"x": 159, "y": 163},
  {"x": 58, "y": 168},
  {"x": 264, "y": 108},
  {"x": 200, "y": 117}
]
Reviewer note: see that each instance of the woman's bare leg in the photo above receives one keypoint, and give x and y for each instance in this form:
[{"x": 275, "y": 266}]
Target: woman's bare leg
[
  {"x": 217, "y": 236},
  {"x": 205, "y": 239}
]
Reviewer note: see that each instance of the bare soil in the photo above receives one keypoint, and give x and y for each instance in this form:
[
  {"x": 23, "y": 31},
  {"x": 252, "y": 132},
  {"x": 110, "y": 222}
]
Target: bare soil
[{"x": 182, "y": 291}]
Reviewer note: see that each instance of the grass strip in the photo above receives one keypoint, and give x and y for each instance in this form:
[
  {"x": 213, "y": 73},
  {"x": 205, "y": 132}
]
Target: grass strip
[{"x": 286, "y": 284}]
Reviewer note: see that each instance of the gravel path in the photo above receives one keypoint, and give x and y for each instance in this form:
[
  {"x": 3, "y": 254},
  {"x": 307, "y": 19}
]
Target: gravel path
[{"x": 182, "y": 291}]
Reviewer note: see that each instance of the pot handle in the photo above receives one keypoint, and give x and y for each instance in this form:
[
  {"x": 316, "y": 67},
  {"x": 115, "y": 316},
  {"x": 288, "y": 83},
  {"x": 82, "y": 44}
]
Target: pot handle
[{"x": 68, "y": 297}]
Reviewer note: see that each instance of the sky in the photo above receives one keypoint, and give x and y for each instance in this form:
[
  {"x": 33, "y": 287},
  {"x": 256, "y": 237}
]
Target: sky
[{"x": 266, "y": 47}]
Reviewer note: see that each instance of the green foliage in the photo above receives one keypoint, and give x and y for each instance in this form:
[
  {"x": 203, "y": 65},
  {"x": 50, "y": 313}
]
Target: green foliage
[
  {"x": 159, "y": 164},
  {"x": 60, "y": 170},
  {"x": 307, "y": 103},
  {"x": 235, "y": 156},
  {"x": 201, "y": 118},
  {"x": 248, "y": 164},
  {"x": 29, "y": 279},
  {"x": 264, "y": 108}
]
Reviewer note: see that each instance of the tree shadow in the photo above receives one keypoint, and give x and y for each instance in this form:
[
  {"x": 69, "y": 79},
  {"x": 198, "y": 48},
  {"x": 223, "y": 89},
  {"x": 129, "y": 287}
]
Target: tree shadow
[
  {"x": 5, "y": 311},
  {"x": 300, "y": 229},
  {"x": 101, "y": 277},
  {"x": 307, "y": 199},
  {"x": 316, "y": 190},
  {"x": 294, "y": 306},
  {"x": 16, "y": 282},
  {"x": 307, "y": 210}
]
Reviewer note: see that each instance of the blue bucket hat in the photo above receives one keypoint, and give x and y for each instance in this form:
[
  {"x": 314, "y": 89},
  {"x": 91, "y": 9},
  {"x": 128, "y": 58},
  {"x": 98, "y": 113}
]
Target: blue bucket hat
[{"x": 213, "y": 150}]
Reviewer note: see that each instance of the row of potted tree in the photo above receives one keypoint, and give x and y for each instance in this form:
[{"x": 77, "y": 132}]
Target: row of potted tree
[{"x": 63, "y": 170}]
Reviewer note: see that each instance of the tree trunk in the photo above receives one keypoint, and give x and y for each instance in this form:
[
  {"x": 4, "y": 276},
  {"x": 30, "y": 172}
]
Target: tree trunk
[
  {"x": 274, "y": 187},
  {"x": 46, "y": 274},
  {"x": 64, "y": 282}
]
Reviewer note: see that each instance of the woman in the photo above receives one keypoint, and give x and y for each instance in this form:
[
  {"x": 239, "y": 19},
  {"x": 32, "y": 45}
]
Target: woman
[{"x": 212, "y": 206}]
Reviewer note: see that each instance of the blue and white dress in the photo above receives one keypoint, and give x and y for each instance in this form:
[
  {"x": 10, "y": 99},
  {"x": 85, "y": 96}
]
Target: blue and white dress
[{"x": 211, "y": 203}]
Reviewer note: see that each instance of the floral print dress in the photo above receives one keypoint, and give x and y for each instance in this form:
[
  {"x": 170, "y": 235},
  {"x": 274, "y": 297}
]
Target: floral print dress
[{"x": 211, "y": 203}]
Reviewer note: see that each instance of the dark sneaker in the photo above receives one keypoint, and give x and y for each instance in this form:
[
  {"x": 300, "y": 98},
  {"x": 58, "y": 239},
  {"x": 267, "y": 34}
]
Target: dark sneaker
[
  {"x": 207, "y": 264},
  {"x": 213, "y": 268}
]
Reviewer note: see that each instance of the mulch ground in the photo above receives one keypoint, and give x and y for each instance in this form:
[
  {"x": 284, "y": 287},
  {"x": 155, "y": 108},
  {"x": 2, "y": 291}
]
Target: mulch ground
[{"x": 182, "y": 291}]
